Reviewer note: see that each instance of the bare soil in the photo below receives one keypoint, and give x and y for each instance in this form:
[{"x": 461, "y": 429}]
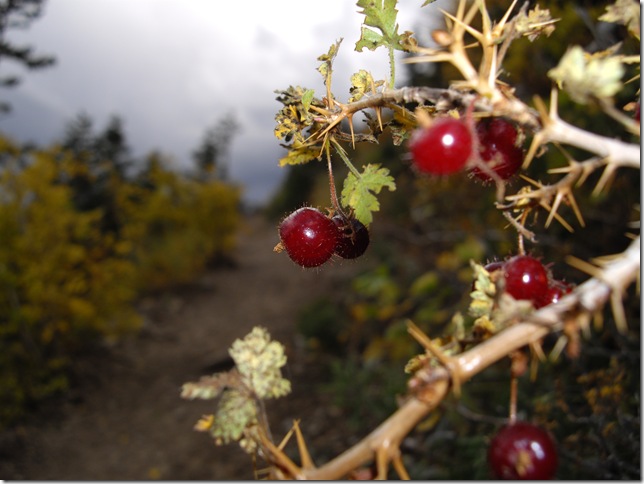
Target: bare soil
[{"x": 126, "y": 420}]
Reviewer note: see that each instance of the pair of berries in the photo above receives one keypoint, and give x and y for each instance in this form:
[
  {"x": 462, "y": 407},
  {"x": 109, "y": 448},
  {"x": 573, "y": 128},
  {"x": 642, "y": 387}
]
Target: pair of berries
[
  {"x": 448, "y": 145},
  {"x": 526, "y": 278},
  {"x": 310, "y": 238}
]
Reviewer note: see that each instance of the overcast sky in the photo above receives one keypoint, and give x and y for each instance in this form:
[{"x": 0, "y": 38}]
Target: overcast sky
[{"x": 171, "y": 68}]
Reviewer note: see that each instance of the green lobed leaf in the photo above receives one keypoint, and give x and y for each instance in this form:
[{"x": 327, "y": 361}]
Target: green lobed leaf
[
  {"x": 369, "y": 39},
  {"x": 359, "y": 192},
  {"x": 381, "y": 15}
]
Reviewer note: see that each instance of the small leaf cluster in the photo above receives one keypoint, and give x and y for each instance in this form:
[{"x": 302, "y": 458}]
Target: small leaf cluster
[
  {"x": 257, "y": 376},
  {"x": 259, "y": 361}
]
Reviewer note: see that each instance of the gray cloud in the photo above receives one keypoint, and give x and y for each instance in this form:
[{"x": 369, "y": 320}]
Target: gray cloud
[{"x": 171, "y": 68}]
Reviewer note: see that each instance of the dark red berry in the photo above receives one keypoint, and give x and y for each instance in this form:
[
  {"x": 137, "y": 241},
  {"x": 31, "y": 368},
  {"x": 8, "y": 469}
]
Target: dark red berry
[
  {"x": 494, "y": 266},
  {"x": 505, "y": 162},
  {"x": 556, "y": 290},
  {"x": 309, "y": 237},
  {"x": 636, "y": 113},
  {"x": 442, "y": 148},
  {"x": 525, "y": 278},
  {"x": 354, "y": 237},
  {"x": 497, "y": 149},
  {"x": 496, "y": 130},
  {"x": 522, "y": 451}
]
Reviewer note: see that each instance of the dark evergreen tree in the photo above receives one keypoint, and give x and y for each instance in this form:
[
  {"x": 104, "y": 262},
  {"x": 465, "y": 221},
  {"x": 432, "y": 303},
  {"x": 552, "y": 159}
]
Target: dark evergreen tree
[
  {"x": 19, "y": 14},
  {"x": 107, "y": 158},
  {"x": 210, "y": 156}
]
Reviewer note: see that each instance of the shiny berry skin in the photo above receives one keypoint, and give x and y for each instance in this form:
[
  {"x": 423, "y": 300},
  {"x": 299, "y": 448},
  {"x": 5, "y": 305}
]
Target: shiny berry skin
[
  {"x": 354, "y": 237},
  {"x": 522, "y": 451},
  {"x": 525, "y": 278},
  {"x": 556, "y": 290},
  {"x": 497, "y": 149},
  {"x": 497, "y": 130},
  {"x": 309, "y": 237},
  {"x": 442, "y": 148}
]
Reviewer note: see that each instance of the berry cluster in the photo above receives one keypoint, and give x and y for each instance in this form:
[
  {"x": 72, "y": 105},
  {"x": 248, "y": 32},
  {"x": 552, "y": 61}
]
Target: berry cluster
[
  {"x": 310, "y": 238},
  {"x": 449, "y": 145},
  {"x": 522, "y": 451},
  {"x": 526, "y": 278}
]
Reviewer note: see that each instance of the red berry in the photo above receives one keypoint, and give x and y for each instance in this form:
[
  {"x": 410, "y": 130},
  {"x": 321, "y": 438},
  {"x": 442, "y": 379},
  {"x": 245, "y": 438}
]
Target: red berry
[
  {"x": 497, "y": 148},
  {"x": 522, "y": 451},
  {"x": 499, "y": 131},
  {"x": 354, "y": 237},
  {"x": 309, "y": 237},
  {"x": 442, "y": 148},
  {"x": 636, "y": 114},
  {"x": 494, "y": 266},
  {"x": 556, "y": 290},
  {"x": 525, "y": 278}
]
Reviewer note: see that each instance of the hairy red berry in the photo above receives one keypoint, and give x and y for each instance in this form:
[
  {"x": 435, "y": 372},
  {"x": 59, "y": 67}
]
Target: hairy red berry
[
  {"x": 556, "y": 290},
  {"x": 522, "y": 451},
  {"x": 309, "y": 237},
  {"x": 497, "y": 149},
  {"x": 525, "y": 278},
  {"x": 354, "y": 237},
  {"x": 442, "y": 148},
  {"x": 496, "y": 130}
]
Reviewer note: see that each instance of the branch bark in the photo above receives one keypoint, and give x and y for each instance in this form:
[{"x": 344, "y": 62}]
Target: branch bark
[
  {"x": 615, "y": 151},
  {"x": 586, "y": 299}
]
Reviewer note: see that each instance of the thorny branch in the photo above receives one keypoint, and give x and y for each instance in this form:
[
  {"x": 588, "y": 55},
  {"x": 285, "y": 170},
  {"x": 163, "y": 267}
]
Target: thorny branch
[
  {"x": 431, "y": 385},
  {"x": 481, "y": 92}
]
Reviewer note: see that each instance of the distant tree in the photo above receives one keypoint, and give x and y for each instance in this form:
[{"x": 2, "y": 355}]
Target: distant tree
[
  {"x": 79, "y": 135},
  {"x": 19, "y": 14},
  {"x": 103, "y": 161},
  {"x": 210, "y": 156},
  {"x": 111, "y": 146},
  {"x": 106, "y": 151}
]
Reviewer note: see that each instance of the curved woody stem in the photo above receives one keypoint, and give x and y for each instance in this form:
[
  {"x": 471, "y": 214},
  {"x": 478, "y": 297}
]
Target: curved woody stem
[{"x": 433, "y": 384}]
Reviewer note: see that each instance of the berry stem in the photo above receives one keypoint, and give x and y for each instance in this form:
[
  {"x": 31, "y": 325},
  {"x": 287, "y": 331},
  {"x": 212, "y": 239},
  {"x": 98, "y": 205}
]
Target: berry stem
[
  {"x": 513, "y": 398},
  {"x": 334, "y": 195},
  {"x": 343, "y": 154},
  {"x": 392, "y": 68}
]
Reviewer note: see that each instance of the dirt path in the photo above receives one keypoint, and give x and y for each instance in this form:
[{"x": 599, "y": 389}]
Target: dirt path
[{"x": 129, "y": 422}]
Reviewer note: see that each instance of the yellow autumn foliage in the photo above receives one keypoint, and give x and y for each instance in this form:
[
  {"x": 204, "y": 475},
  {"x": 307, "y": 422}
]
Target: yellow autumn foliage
[{"x": 67, "y": 282}]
